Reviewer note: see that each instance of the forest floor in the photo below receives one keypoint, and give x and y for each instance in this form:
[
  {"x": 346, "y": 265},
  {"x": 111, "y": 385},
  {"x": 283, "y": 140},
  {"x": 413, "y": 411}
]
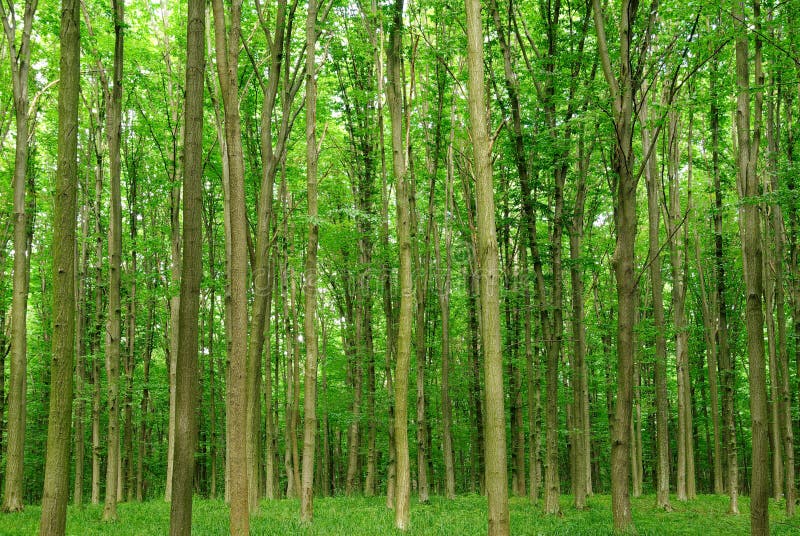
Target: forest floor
[{"x": 466, "y": 515}]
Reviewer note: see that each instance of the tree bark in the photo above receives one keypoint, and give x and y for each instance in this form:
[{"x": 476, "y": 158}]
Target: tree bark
[
  {"x": 187, "y": 366},
  {"x": 20, "y": 69},
  {"x": 394, "y": 98},
  {"x": 496, "y": 477},
  {"x": 130, "y": 474},
  {"x": 114, "y": 320},
  {"x": 580, "y": 394},
  {"x": 310, "y": 327},
  {"x": 622, "y": 89},
  {"x": 675, "y": 220},
  {"x": 726, "y": 361},
  {"x": 56, "y": 476},
  {"x": 80, "y": 330},
  {"x": 227, "y": 48},
  {"x": 750, "y": 225},
  {"x": 443, "y": 277}
]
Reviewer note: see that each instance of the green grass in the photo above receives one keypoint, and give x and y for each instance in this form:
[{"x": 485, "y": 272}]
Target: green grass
[{"x": 465, "y": 515}]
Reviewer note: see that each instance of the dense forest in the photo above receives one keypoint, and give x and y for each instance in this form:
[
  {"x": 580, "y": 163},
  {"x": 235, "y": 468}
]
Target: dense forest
[{"x": 252, "y": 251}]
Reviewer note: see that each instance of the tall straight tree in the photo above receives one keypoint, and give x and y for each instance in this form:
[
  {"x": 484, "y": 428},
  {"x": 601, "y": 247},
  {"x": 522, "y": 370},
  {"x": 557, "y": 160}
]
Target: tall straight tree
[
  {"x": 56, "y": 474},
  {"x": 272, "y": 152},
  {"x": 394, "y": 99},
  {"x": 227, "y": 36},
  {"x": 726, "y": 360},
  {"x": 776, "y": 262},
  {"x": 488, "y": 258},
  {"x": 654, "y": 266},
  {"x": 19, "y": 51},
  {"x": 750, "y": 229},
  {"x": 622, "y": 87},
  {"x": 186, "y": 391},
  {"x": 310, "y": 327},
  {"x": 114, "y": 321},
  {"x": 677, "y": 253}
]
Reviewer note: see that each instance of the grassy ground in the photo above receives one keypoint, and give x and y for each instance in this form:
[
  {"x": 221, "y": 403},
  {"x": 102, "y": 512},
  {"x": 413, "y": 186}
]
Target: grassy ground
[{"x": 465, "y": 515}]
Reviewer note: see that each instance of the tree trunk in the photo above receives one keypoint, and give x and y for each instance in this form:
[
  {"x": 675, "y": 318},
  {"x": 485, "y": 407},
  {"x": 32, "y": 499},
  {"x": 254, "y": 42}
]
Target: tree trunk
[
  {"x": 394, "y": 98},
  {"x": 272, "y": 151},
  {"x": 534, "y": 389},
  {"x": 173, "y": 167},
  {"x": 496, "y": 477},
  {"x": 750, "y": 225},
  {"x": 187, "y": 366},
  {"x": 114, "y": 320},
  {"x": 56, "y": 476},
  {"x": 80, "y": 376},
  {"x": 144, "y": 430},
  {"x": 685, "y": 470},
  {"x": 227, "y": 47},
  {"x": 777, "y": 266},
  {"x": 580, "y": 394},
  {"x": 726, "y": 361},
  {"x": 624, "y": 183},
  {"x": 443, "y": 277},
  {"x": 20, "y": 68},
  {"x": 386, "y": 279},
  {"x": 131, "y": 317},
  {"x": 310, "y": 327}
]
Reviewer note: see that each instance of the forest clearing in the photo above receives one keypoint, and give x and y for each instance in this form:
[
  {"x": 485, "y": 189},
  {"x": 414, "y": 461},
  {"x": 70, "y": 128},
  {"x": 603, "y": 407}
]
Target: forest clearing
[{"x": 427, "y": 267}]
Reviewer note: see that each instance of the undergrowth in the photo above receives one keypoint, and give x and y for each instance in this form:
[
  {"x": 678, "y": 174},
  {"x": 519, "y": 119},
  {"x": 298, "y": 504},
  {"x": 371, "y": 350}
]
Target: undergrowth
[{"x": 466, "y": 515}]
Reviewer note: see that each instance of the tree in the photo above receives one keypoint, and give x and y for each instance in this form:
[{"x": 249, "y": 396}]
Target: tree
[
  {"x": 660, "y": 365},
  {"x": 394, "y": 97},
  {"x": 622, "y": 88},
  {"x": 310, "y": 319},
  {"x": 750, "y": 229},
  {"x": 56, "y": 477},
  {"x": 20, "y": 59},
  {"x": 114, "y": 329},
  {"x": 496, "y": 477},
  {"x": 227, "y": 49},
  {"x": 186, "y": 391}
]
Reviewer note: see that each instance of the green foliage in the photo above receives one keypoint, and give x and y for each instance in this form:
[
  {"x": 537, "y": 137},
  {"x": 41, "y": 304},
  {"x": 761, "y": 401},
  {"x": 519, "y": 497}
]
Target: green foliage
[{"x": 465, "y": 515}]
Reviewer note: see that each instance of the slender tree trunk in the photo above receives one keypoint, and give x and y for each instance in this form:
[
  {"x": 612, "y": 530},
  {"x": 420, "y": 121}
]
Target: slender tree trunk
[
  {"x": 726, "y": 360},
  {"x": 187, "y": 366},
  {"x": 534, "y": 388},
  {"x": 675, "y": 219},
  {"x": 777, "y": 266},
  {"x": 144, "y": 409},
  {"x": 750, "y": 225},
  {"x": 272, "y": 151},
  {"x": 212, "y": 368},
  {"x": 624, "y": 183},
  {"x": 395, "y": 96},
  {"x": 131, "y": 317},
  {"x": 310, "y": 327},
  {"x": 443, "y": 277},
  {"x": 325, "y": 471},
  {"x": 636, "y": 433},
  {"x": 386, "y": 279},
  {"x": 776, "y": 457},
  {"x": 294, "y": 404},
  {"x": 20, "y": 68},
  {"x": 56, "y": 476},
  {"x": 422, "y": 267},
  {"x": 580, "y": 395},
  {"x": 227, "y": 47},
  {"x": 114, "y": 320},
  {"x": 173, "y": 167},
  {"x": 80, "y": 376},
  {"x": 496, "y": 476}
]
